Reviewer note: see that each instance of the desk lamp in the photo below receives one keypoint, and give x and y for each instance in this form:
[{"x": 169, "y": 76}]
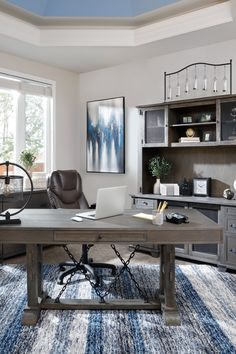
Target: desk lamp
[{"x": 11, "y": 187}]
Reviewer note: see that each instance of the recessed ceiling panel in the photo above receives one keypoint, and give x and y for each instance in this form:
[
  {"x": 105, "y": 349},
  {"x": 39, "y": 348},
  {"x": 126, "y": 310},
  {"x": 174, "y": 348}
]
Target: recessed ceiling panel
[{"x": 90, "y": 8}]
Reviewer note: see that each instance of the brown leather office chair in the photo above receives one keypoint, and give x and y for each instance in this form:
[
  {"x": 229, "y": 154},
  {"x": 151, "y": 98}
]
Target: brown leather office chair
[{"x": 64, "y": 190}]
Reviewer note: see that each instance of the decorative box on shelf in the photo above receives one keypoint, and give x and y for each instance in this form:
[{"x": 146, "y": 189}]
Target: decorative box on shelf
[{"x": 169, "y": 189}]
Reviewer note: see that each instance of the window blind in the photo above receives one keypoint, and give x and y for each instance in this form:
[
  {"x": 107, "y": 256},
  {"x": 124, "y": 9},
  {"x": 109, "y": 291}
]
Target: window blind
[{"x": 25, "y": 85}]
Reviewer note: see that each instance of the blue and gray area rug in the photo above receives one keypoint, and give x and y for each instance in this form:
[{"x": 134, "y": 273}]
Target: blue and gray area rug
[{"x": 206, "y": 299}]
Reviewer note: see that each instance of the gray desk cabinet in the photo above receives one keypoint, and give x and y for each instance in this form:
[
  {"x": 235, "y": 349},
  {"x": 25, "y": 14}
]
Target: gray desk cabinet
[
  {"x": 228, "y": 255},
  {"x": 219, "y": 210},
  {"x": 39, "y": 200}
]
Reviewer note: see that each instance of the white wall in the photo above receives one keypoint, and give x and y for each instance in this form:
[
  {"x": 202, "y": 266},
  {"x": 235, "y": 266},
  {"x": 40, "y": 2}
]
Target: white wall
[
  {"x": 140, "y": 83},
  {"x": 66, "y": 106}
]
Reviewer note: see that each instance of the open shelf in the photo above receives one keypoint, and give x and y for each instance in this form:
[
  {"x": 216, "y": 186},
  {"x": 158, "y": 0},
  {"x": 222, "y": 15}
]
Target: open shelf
[
  {"x": 191, "y": 124},
  {"x": 197, "y": 144}
]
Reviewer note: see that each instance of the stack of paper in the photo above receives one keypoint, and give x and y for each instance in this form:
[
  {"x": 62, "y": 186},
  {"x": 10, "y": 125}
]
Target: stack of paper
[
  {"x": 143, "y": 216},
  {"x": 194, "y": 139}
]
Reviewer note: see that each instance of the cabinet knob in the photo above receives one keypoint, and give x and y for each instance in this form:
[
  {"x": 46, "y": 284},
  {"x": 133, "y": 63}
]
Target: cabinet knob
[
  {"x": 233, "y": 226},
  {"x": 233, "y": 250}
]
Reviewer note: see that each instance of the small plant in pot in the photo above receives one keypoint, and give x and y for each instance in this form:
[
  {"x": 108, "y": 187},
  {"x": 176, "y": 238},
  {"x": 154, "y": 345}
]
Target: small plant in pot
[
  {"x": 159, "y": 167},
  {"x": 27, "y": 158}
]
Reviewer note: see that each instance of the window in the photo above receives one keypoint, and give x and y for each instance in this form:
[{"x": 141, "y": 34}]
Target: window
[
  {"x": 7, "y": 124},
  {"x": 25, "y": 121}
]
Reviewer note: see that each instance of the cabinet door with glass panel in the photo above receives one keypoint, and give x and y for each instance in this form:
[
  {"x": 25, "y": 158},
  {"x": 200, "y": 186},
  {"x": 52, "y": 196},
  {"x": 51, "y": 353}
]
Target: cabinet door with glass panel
[
  {"x": 154, "y": 126},
  {"x": 228, "y": 121}
]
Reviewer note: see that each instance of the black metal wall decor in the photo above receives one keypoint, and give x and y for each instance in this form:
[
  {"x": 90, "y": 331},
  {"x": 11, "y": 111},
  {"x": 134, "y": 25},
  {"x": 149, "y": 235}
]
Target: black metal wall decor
[{"x": 198, "y": 80}]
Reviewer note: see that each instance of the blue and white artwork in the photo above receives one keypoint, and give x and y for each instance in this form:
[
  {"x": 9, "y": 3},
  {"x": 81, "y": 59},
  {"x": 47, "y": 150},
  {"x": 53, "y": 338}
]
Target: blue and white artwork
[{"x": 106, "y": 135}]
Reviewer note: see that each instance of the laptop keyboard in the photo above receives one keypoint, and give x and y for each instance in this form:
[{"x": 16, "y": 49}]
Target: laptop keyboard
[
  {"x": 87, "y": 213},
  {"x": 91, "y": 213}
]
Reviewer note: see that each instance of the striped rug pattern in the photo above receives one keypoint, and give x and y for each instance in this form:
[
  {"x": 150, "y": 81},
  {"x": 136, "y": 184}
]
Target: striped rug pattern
[{"x": 206, "y": 299}]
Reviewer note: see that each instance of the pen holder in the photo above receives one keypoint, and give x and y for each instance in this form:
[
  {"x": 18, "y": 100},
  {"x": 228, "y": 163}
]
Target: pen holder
[{"x": 157, "y": 217}]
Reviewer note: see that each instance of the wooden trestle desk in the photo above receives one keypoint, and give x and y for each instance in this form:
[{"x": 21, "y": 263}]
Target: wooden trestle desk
[{"x": 48, "y": 226}]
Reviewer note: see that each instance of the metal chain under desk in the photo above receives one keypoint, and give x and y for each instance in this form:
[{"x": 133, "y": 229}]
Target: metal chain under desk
[{"x": 101, "y": 293}]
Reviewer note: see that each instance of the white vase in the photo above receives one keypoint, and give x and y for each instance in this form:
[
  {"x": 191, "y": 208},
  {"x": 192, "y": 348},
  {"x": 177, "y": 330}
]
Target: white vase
[{"x": 156, "y": 186}]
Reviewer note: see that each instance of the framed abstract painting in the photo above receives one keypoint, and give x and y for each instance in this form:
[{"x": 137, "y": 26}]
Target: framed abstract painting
[{"x": 106, "y": 135}]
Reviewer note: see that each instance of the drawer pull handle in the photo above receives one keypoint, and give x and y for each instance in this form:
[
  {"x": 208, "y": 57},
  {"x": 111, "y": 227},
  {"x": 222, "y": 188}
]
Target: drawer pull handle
[
  {"x": 233, "y": 250},
  {"x": 233, "y": 226}
]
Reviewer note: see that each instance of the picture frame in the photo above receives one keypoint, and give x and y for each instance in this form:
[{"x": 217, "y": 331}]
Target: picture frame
[
  {"x": 207, "y": 136},
  {"x": 105, "y": 150},
  {"x": 206, "y": 117},
  {"x": 202, "y": 187},
  {"x": 188, "y": 119}
]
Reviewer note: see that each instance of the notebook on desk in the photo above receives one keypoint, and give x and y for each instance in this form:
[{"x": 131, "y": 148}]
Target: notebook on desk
[{"x": 110, "y": 202}]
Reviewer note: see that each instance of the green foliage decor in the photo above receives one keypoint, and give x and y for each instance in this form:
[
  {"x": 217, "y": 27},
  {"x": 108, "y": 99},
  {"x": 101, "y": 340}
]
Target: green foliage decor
[
  {"x": 159, "y": 166},
  {"x": 27, "y": 158}
]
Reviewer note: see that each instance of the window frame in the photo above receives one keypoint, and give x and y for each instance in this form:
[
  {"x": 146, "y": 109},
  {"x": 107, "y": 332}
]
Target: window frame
[{"x": 19, "y": 143}]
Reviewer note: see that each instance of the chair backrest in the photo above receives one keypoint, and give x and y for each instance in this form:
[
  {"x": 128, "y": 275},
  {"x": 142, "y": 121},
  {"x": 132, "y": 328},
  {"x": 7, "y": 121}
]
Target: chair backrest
[{"x": 64, "y": 190}]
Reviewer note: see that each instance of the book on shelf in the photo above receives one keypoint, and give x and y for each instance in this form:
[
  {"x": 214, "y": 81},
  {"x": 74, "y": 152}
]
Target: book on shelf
[{"x": 194, "y": 139}]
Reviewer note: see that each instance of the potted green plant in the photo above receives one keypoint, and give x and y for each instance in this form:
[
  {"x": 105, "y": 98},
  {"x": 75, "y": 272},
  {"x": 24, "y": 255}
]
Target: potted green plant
[
  {"x": 27, "y": 158},
  {"x": 159, "y": 167}
]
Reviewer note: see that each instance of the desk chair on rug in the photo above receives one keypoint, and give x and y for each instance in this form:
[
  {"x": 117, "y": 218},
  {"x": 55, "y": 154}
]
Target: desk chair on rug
[{"x": 64, "y": 190}]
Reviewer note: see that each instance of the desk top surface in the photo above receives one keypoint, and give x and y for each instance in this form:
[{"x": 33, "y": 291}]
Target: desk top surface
[{"x": 55, "y": 225}]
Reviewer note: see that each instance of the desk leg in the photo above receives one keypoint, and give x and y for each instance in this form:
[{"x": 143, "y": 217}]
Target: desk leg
[
  {"x": 161, "y": 278},
  {"x": 167, "y": 286},
  {"x": 34, "y": 284}
]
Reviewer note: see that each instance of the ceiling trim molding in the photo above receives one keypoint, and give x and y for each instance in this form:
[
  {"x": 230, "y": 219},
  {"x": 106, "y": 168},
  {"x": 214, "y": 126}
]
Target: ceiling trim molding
[
  {"x": 189, "y": 22},
  {"x": 114, "y": 37},
  {"x": 87, "y": 37},
  {"x": 18, "y": 29}
]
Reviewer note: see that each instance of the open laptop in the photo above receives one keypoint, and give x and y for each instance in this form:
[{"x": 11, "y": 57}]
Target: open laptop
[{"x": 110, "y": 202}]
